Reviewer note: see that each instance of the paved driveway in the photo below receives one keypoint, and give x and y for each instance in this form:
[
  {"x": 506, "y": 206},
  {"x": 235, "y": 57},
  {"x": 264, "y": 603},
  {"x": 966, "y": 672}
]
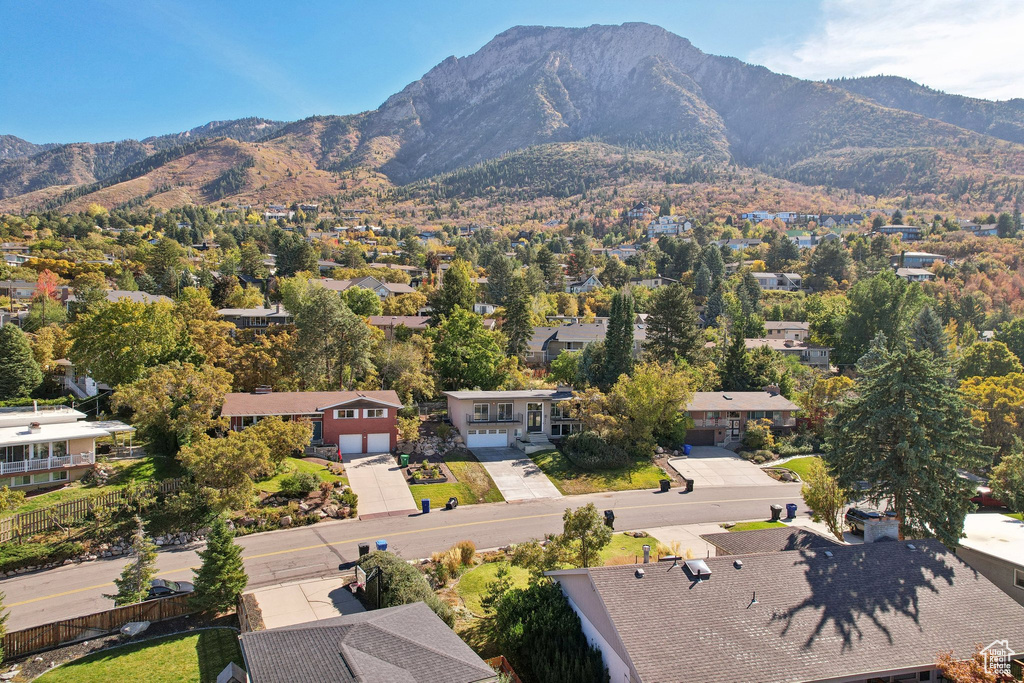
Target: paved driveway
[
  {"x": 515, "y": 475},
  {"x": 713, "y": 466},
  {"x": 298, "y": 603},
  {"x": 377, "y": 480}
]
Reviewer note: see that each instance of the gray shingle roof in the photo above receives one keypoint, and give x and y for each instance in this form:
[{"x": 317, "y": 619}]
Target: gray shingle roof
[
  {"x": 739, "y": 400},
  {"x": 766, "y": 541},
  {"x": 868, "y": 608},
  {"x": 404, "y": 644}
]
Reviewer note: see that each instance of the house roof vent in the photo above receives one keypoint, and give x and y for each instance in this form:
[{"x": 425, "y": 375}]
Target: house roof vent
[
  {"x": 727, "y": 397},
  {"x": 698, "y": 569},
  {"x": 640, "y": 573},
  {"x": 263, "y": 389}
]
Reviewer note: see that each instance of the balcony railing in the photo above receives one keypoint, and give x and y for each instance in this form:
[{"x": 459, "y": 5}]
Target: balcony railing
[
  {"x": 726, "y": 422},
  {"x": 44, "y": 464},
  {"x": 503, "y": 419}
]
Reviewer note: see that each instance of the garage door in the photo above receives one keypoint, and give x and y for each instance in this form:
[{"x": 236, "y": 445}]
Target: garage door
[
  {"x": 701, "y": 437},
  {"x": 378, "y": 443},
  {"x": 487, "y": 438},
  {"x": 351, "y": 443}
]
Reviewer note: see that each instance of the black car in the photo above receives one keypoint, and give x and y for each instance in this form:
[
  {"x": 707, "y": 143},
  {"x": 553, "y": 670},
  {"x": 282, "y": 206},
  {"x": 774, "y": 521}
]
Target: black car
[
  {"x": 855, "y": 518},
  {"x": 162, "y": 588}
]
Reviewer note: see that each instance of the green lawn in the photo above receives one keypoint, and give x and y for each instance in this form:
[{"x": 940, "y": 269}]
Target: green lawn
[
  {"x": 799, "y": 465},
  {"x": 473, "y": 585},
  {"x": 627, "y": 546},
  {"x": 273, "y": 485},
  {"x": 572, "y": 480},
  {"x": 440, "y": 493},
  {"x": 1016, "y": 515},
  {"x": 198, "y": 656},
  {"x": 468, "y": 470},
  {"x": 753, "y": 526},
  {"x": 149, "y": 468}
]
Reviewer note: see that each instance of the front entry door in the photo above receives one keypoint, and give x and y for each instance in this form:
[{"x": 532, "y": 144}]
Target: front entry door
[{"x": 534, "y": 417}]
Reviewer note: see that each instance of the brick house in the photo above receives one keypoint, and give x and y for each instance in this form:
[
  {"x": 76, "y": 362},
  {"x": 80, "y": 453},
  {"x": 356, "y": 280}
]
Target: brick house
[
  {"x": 355, "y": 421},
  {"x": 720, "y": 417}
]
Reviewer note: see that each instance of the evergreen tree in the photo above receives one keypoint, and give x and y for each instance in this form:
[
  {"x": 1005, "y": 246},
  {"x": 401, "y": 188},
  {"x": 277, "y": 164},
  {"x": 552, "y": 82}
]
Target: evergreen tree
[
  {"x": 751, "y": 288},
  {"x": 906, "y": 434},
  {"x": 590, "y": 371},
  {"x": 517, "y": 326},
  {"x": 782, "y": 253},
  {"x": 928, "y": 334},
  {"x": 736, "y": 365},
  {"x": 618, "y": 341},
  {"x": 500, "y": 273},
  {"x": 221, "y": 578},
  {"x": 457, "y": 291},
  {"x": 829, "y": 264},
  {"x": 672, "y": 330},
  {"x": 19, "y": 371},
  {"x": 883, "y": 304},
  {"x": 714, "y": 308},
  {"x": 711, "y": 256},
  {"x": 1004, "y": 225},
  {"x": 137, "y": 576},
  {"x": 702, "y": 281}
]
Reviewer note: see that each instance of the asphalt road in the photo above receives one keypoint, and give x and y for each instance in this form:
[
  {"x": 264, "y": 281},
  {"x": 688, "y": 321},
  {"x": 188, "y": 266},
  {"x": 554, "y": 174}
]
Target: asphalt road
[{"x": 291, "y": 554}]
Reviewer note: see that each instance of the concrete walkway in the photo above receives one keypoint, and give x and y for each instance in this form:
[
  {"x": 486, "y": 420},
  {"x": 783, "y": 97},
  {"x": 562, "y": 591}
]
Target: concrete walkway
[
  {"x": 515, "y": 475},
  {"x": 713, "y": 466},
  {"x": 688, "y": 536},
  {"x": 377, "y": 480},
  {"x": 298, "y": 603}
]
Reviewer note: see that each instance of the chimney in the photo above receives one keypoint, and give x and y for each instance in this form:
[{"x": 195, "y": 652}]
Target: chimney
[
  {"x": 34, "y": 427},
  {"x": 883, "y": 527},
  {"x": 789, "y": 343},
  {"x": 773, "y": 389},
  {"x": 647, "y": 553}
]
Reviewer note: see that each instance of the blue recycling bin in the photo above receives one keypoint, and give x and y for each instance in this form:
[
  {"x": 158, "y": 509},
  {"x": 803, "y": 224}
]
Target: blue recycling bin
[
  {"x": 426, "y": 505},
  {"x": 686, "y": 448},
  {"x": 382, "y": 545},
  {"x": 790, "y": 510}
]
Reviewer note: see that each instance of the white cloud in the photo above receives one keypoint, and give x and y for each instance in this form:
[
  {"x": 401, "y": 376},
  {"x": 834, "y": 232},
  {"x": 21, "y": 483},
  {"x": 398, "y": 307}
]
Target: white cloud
[{"x": 968, "y": 47}]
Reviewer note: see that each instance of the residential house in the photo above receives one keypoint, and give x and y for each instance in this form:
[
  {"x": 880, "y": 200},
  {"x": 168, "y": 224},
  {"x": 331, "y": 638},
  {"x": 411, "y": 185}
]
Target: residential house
[
  {"x": 808, "y": 354},
  {"x": 309, "y": 207},
  {"x": 407, "y": 644},
  {"x": 18, "y": 290},
  {"x": 785, "y": 329},
  {"x": 326, "y": 266},
  {"x": 622, "y": 251},
  {"x": 641, "y": 211},
  {"x": 909, "y": 233},
  {"x": 382, "y": 289},
  {"x": 840, "y": 220},
  {"x": 854, "y": 614},
  {"x": 803, "y": 240},
  {"x": 766, "y": 541},
  {"x": 47, "y": 446},
  {"x": 757, "y": 216},
  {"x": 278, "y": 214},
  {"x": 354, "y": 421},
  {"x": 720, "y": 417},
  {"x": 575, "y": 337},
  {"x": 986, "y": 230},
  {"x": 415, "y": 273},
  {"x": 783, "y": 282},
  {"x": 652, "y": 282},
  {"x": 256, "y": 318},
  {"x": 115, "y": 295},
  {"x": 915, "y": 259},
  {"x": 915, "y": 274},
  {"x": 588, "y": 284},
  {"x": 994, "y": 545},
  {"x": 668, "y": 226},
  {"x": 527, "y": 419},
  {"x": 537, "y": 345},
  {"x": 739, "y": 243},
  {"x": 389, "y": 323}
]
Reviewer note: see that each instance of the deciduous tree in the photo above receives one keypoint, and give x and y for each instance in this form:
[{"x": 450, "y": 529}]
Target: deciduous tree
[
  {"x": 1007, "y": 482},
  {"x": 466, "y": 355},
  {"x": 826, "y": 498},
  {"x": 988, "y": 359},
  {"x": 457, "y": 291}
]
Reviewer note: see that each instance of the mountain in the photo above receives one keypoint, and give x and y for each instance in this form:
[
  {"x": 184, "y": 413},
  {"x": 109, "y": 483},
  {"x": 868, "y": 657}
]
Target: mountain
[
  {"x": 556, "y": 110},
  {"x": 1003, "y": 120},
  {"x": 12, "y": 147}
]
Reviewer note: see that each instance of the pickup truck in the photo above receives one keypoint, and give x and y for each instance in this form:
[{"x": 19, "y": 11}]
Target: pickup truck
[{"x": 984, "y": 499}]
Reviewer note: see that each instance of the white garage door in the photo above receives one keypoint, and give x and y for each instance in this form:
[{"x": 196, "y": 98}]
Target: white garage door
[
  {"x": 487, "y": 438},
  {"x": 351, "y": 443},
  {"x": 378, "y": 443}
]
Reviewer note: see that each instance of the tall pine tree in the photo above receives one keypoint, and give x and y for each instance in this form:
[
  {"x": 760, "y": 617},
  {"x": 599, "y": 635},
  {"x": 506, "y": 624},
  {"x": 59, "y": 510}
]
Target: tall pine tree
[
  {"x": 19, "y": 371},
  {"x": 221, "y": 578},
  {"x": 672, "y": 330},
  {"x": 908, "y": 435},
  {"x": 457, "y": 291},
  {"x": 517, "y": 327},
  {"x": 928, "y": 333},
  {"x": 137, "y": 576},
  {"x": 618, "y": 340},
  {"x": 736, "y": 365}
]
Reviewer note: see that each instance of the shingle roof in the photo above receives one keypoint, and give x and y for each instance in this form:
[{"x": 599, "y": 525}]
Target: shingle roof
[
  {"x": 588, "y": 332},
  {"x": 867, "y": 609},
  {"x": 786, "y": 325},
  {"x": 510, "y": 395},
  {"x": 404, "y": 644},
  {"x": 299, "y": 402},
  {"x": 739, "y": 400},
  {"x": 766, "y": 540},
  {"x": 413, "y": 322}
]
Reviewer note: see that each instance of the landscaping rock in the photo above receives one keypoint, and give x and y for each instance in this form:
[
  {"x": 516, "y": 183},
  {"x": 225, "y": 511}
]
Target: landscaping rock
[
  {"x": 331, "y": 510},
  {"x": 9, "y": 675},
  {"x": 286, "y": 521},
  {"x": 134, "y": 628}
]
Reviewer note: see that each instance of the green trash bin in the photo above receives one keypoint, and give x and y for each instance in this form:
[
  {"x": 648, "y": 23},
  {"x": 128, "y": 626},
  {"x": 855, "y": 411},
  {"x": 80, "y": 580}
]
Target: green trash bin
[{"x": 404, "y": 459}]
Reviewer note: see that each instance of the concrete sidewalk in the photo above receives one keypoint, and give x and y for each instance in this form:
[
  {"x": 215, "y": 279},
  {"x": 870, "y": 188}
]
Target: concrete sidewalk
[
  {"x": 377, "y": 480},
  {"x": 515, "y": 475},
  {"x": 298, "y": 603}
]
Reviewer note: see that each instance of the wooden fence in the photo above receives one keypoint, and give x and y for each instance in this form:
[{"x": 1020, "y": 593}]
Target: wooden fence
[
  {"x": 27, "y": 524},
  {"x": 501, "y": 665},
  {"x": 49, "y": 636}
]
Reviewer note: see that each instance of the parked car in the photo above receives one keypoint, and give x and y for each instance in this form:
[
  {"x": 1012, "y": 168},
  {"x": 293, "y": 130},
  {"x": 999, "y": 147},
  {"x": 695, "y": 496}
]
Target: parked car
[
  {"x": 855, "y": 518},
  {"x": 162, "y": 588},
  {"x": 984, "y": 499}
]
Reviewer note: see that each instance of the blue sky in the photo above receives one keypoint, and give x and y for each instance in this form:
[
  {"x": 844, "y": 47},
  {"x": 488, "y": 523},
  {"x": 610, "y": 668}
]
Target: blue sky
[{"x": 103, "y": 70}]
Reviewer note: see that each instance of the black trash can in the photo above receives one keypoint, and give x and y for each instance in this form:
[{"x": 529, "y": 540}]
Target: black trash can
[
  {"x": 364, "y": 549},
  {"x": 689, "y": 485},
  {"x": 790, "y": 510},
  {"x": 453, "y": 503},
  {"x": 609, "y": 519},
  {"x": 776, "y": 512},
  {"x": 665, "y": 485}
]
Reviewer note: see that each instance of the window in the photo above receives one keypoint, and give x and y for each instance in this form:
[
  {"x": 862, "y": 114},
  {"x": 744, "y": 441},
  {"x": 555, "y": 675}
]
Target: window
[
  {"x": 345, "y": 414},
  {"x": 375, "y": 412},
  {"x": 41, "y": 478},
  {"x": 21, "y": 481},
  {"x": 60, "y": 449},
  {"x": 59, "y": 476},
  {"x": 1018, "y": 578},
  {"x": 481, "y": 412},
  {"x": 504, "y": 411}
]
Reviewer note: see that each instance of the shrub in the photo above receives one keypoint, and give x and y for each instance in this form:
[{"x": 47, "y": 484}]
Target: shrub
[
  {"x": 760, "y": 457},
  {"x": 759, "y": 435},
  {"x": 19, "y": 555},
  {"x": 468, "y": 550},
  {"x": 405, "y": 584},
  {"x": 299, "y": 484},
  {"x": 589, "y": 451},
  {"x": 443, "y": 431},
  {"x": 349, "y": 497},
  {"x": 409, "y": 428},
  {"x": 11, "y": 500},
  {"x": 452, "y": 561}
]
